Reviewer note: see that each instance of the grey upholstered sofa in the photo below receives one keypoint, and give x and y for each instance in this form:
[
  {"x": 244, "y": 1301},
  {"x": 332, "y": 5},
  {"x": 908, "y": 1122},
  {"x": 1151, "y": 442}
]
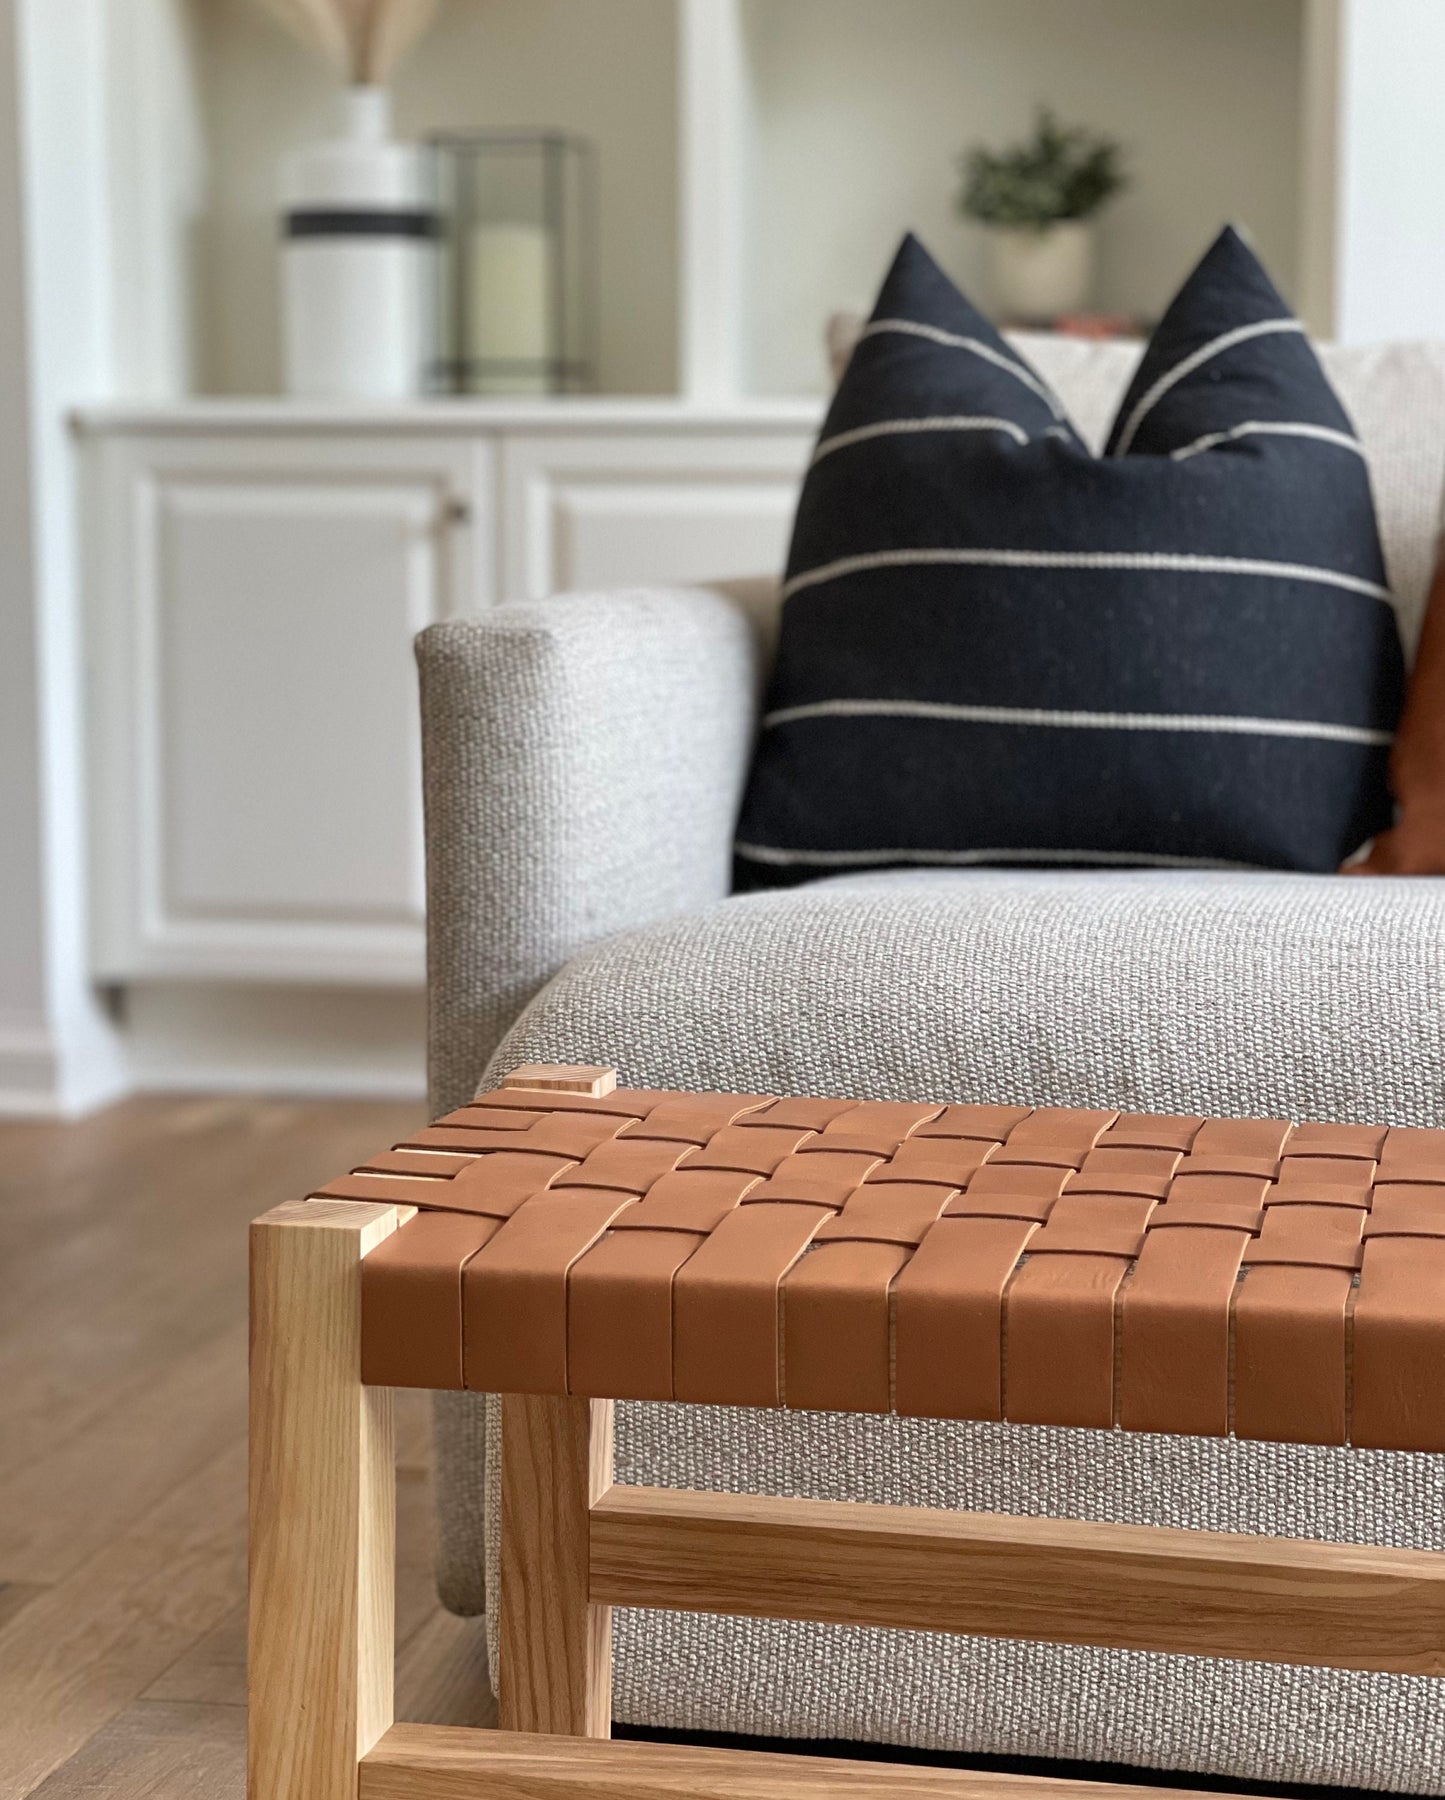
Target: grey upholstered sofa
[{"x": 584, "y": 759}]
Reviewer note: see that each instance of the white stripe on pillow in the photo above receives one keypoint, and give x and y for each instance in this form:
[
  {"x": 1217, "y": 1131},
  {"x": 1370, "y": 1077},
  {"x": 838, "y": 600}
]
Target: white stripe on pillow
[
  {"x": 1188, "y": 364},
  {"x": 1268, "y": 428},
  {"x": 900, "y": 427},
  {"x": 1084, "y": 721},
  {"x": 952, "y": 341},
  {"x": 1136, "y": 560},
  {"x": 868, "y": 859}
]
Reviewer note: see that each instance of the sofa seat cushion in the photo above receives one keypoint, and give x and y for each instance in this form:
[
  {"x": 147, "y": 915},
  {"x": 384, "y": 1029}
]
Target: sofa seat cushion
[{"x": 1186, "y": 991}]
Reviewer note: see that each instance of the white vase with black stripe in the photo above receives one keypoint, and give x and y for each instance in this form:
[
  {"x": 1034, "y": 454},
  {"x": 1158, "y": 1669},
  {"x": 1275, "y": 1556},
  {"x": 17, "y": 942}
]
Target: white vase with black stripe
[{"x": 358, "y": 241}]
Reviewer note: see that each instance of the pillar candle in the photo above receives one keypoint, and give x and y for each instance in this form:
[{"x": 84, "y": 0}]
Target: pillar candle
[{"x": 510, "y": 310}]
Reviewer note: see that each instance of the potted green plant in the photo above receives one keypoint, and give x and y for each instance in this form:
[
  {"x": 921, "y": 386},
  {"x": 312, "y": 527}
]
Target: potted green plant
[{"x": 1038, "y": 200}]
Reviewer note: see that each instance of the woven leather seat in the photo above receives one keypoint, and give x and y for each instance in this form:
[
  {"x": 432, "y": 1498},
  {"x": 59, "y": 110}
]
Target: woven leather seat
[{"x": 1050, "y": 1266}]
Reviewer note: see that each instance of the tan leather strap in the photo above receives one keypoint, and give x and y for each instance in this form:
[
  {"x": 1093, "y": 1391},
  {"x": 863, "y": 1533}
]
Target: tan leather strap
[{"x": 1053, "y": 1265}]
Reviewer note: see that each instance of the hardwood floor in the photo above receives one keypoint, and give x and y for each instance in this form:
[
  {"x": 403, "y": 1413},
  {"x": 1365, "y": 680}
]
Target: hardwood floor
[{"x": 122, "y": 1446}]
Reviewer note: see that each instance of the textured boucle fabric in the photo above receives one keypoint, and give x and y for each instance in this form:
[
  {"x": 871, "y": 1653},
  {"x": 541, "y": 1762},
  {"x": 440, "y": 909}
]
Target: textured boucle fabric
[
  {"x": 583, "y": 763},
  {"x": 582, "y": 760},
  {"x": 1208, "y": 991}
]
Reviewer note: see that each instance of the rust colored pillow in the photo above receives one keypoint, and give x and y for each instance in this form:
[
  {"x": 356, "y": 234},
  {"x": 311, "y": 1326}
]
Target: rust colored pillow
[{"x": 1415, "y": 845}]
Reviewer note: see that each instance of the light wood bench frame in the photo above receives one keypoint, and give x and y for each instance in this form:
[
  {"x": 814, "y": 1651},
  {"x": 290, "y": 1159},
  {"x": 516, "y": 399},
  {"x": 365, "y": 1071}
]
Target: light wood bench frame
[{"x": 322, "y": 1547}]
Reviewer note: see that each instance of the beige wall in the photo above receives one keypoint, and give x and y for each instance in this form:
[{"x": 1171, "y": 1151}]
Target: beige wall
[
  {"x": 603, "y": 68},
  {"x": 1204, "y": 92},
  {"x": 1388, "y": 247}
]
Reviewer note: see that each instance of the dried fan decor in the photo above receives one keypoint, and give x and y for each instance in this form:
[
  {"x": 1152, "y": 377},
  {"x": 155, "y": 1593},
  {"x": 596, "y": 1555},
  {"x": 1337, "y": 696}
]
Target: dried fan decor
[
  {"x": 363, "y": 39},
  {"x": 358, "y": 228}
]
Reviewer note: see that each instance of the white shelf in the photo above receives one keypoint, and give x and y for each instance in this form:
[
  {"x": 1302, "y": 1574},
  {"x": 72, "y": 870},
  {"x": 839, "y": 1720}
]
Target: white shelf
[
  {"x": 759, "y": 159},
  {"x": 207, "y": 415}
]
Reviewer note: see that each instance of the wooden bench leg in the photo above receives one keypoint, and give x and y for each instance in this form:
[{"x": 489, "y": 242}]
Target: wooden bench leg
[
  {"x": 555, "y": 1648},
  {"x": 322, "y": 1506}
]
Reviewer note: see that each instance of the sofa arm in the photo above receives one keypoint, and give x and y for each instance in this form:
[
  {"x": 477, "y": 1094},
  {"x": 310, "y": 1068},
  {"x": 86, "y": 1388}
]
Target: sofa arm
[{"x": 583, "y": 762}]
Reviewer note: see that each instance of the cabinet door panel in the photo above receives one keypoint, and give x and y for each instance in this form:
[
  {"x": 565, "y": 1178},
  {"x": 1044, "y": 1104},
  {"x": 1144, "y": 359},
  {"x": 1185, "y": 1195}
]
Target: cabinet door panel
[
  {"x": 290, "y": 758},
  {"x": 256, "y": 765},
  {"x": 596, "y": 513}
]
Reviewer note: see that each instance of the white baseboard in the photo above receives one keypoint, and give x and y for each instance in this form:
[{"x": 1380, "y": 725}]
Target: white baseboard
[
  {"x": 341, "y": 1081},
  {"x": 243, "y": 1039},
  {"x": 41, "y": 1078},
  {"x": 30, "y": 1083},
  {"x": 225, "y": 1039}
]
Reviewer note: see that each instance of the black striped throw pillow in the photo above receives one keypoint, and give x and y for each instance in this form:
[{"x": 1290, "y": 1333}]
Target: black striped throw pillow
[{"x": 997, "y": 647}]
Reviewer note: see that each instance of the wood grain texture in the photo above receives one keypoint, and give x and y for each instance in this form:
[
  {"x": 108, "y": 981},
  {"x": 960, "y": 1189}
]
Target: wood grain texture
[
  {"x": 555, "y": 1645},
  {"x": 158, "y": 1750},
  {"x": 414, "y": 1762},
  {"x": 123, "y": 1240},
  {"x": 441, "y": 1673},
  {"x": 212, "y": 1671},
  {"x": 123, "y": 1425},
  {"x": 322, "y": 1506},
  {"x": 14, "y": 1595},
  {"x": 81, "y": 1651},
  {"x": 1119, "y": 1586},
  {"x": 564, "y": 1078}
]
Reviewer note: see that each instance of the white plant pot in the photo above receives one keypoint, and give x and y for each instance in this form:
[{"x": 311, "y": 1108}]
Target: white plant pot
[
  {"x": 1036, "y": 274},
  {"x": 356, "y": 262}
]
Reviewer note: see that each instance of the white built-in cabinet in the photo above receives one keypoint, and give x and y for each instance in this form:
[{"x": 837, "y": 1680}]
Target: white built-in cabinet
[{"x": 254, "y": 579}]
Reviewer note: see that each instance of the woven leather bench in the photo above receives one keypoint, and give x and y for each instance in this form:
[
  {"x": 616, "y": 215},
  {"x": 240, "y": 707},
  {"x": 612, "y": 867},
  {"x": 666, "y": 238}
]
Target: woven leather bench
[{"x": 569, "y": 1243}]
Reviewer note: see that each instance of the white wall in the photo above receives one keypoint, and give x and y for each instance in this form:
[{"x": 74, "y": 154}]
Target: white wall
[
  {"x": 26, "y": 1062},
  {"x": 157, "y": 168},
  {"x": 95, "y": 195},
  {"x": 56, "y": 1048},
  {"x": 1204, "y": 93},
  {"x": 606, "y": 71},
  {"x": 1388, "y": 248}
]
